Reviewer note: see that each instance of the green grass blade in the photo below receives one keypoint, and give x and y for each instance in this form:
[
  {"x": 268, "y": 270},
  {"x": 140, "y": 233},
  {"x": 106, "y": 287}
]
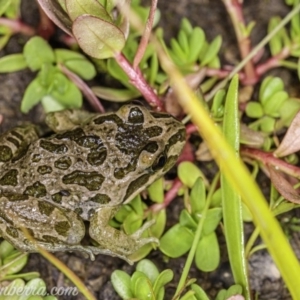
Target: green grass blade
[
  {"x": 232, "y": 206},
  {"x": 239, "y": 177}
]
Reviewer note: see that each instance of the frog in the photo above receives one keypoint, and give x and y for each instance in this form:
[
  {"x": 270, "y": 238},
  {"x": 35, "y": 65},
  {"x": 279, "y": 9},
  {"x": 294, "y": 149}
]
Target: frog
[{"x": 81, "y": 173}]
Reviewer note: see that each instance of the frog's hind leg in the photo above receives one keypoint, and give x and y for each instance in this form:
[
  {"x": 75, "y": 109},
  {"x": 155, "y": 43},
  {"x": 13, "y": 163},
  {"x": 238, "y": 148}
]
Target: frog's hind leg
[
  {"x": 29, "y": 223},
  {"x": 14, "y": 143},
  {"x": 117, "y": 243}
]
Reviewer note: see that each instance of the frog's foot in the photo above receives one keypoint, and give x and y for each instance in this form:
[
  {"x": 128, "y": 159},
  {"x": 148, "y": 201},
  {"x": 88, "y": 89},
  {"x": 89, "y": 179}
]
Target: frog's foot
[{"x": 117, "y": 242}]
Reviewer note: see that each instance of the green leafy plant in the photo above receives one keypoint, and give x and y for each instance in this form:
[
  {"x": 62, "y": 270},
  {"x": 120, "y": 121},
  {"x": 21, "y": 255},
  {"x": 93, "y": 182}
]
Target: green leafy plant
[
  {"x": 22, "y": 286},
  {"x": 51, "y": 86}
]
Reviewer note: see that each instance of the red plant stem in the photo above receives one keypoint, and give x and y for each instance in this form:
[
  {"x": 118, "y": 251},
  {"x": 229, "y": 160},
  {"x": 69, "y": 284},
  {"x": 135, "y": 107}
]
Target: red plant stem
[
  {"x": 267, "y": 158},
  {"x": 18, "y": 26},
  {"x": 234, "y": 9},
  {"x": 136, "y": 78},
  {"x": 170, "y": 196},
  {"x": 191, "y": 128},
  {"x": 273, "y": 62},
  {"x": 93, "y": 100},
  {"x": 46, "y": 27},
  {"x": 146, "y": 35}
]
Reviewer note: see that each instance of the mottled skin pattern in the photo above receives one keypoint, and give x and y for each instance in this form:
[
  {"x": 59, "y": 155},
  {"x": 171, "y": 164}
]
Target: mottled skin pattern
[{"x": 86, "y": 171}]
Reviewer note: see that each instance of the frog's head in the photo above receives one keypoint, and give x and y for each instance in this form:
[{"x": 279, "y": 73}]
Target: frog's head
[{"x": 152, "y": 141}]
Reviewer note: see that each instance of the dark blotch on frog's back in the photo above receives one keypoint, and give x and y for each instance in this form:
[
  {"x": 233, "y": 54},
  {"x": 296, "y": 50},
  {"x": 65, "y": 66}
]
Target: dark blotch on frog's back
[
  {"x": 135, "y": 185},
  {"x": 100, "y": 198},
  {"x": 5, "y": 153},
  {"x": 10, "y": 178},
  {"x": 62, "y": 228},
  {"x": 45, "y": 208},
  {"x": 44, "y": 169},
  {"x": 37, "y": 190},
  {"x": 52, "y": 147},
  {"x": 90, "y": 180},
  {"x": 63, "y": 163},
  {"x": 109, "y": 118}
]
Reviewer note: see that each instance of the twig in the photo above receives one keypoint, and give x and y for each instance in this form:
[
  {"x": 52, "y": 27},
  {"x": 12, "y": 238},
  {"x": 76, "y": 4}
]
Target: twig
[
  {"x": 146, "y": 35},
  {"x": 137, "y": 80},
  {"x": 234, "y": 9}
]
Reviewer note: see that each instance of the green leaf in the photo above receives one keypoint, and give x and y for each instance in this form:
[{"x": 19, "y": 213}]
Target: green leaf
[
  {"x": 254, "y": 110},
  {"x": 117, "y": 95},
  {"x": 212, "y": 50},
  {"x": 188, "y": 173},
  {"x": 5, "y": 249},
  {"x": 158, "y": 228},
  {"x": 234, "y": 290},
  {"x": 18, "y": 265},
  {"x": 186, "y": 220},
  {"x": 207, "y": 256},
  {"x": 186, "y": 26},
  {"x": 12, "y": 288},
  {"x": 272, "y": 104},
  {"x": 199, "y": 292},
  {"x": 176, "y": 241},
  {"x": 77, "y": 8},
  {"x": 275, "y": 42},
  {"x": 232, "y": 209},
  {"x": 4, "y": 4},
  {"x": 183, "y": 41},
  {"x": 164, "y": 277},
  {"x": 37, "y": 52},
  {"x": 121, "y": 282},
  {"x": 12, "y": 63},
  {"x": 267, "y": 124},
  {"x": 269, "y": 87},
  {"x": 82, "y": 68},
  {"x": 70, "y": 96},
  {"x": 217, "y": 108},
  {"x": 196, "y": 41},
  {"x": 107, "y": 39},
  {"x": 50, "y": 104},
  {"x": 143, "y": 289},
  {"x": 154, "y": 68},
  {"x": 132, "y": 222},
  {"x": 288, "y": 111},
  {"x": 35, "y": 286},
  {"x": 198, "y": 196},
  {"x": 212, "y": 220},
  {"x": 156, "y": 191},
  {"x": 147, "y": 267},
  {"x": 33, "y": 94},
  {"x": 176, "y": 49}
]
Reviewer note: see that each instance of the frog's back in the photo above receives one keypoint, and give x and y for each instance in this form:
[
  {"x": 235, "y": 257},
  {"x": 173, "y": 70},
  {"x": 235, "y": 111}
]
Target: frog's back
[{"x": 107, "y": 161}]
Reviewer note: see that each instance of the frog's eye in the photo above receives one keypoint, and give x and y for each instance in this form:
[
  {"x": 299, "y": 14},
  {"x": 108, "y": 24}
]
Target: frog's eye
[{"x": 159, "y": 162}]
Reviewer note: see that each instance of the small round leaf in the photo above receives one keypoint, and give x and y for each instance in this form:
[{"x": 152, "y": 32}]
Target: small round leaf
[
  {"x": 207, "y": 256},
  {"x": 37, "y": 52},
  {"x": 176, "y": 241},
  {"x": 98, "y": 38},
  {"x": 121, "y": 282}
]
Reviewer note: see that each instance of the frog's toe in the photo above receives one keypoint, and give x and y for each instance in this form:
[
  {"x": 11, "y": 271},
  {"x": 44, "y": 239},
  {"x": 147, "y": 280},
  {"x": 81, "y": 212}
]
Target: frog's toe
[{"x": 140, "y": 231}]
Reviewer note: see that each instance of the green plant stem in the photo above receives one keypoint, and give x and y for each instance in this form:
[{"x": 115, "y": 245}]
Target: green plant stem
[
  {"x": 251, "y": 241},
  {"x": 192, "y": 252}
]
